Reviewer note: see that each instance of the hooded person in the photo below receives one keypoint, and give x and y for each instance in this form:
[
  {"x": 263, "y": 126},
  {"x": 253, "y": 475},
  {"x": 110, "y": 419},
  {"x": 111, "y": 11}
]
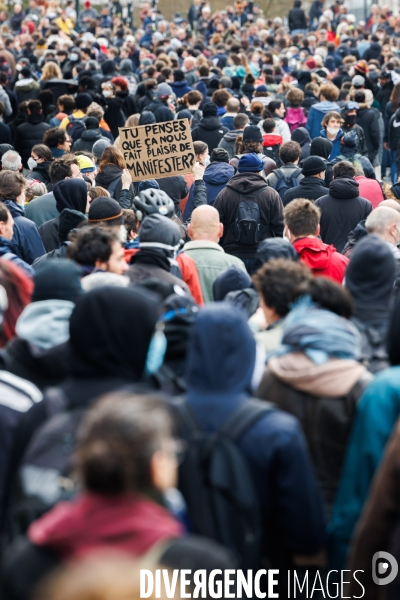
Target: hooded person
[
  {"x": 69, "y": 220},
  {"x": 216, "y": 176},
  {"x": 316, "y": 376},
  {"x": 210, "y": 129},
  {"x": 217, "y": 388},
  {"x": 343, "y": 207},
  {"x": 147, "y": 118},
  {"x": 40, "y": 351},
  {"x": 68, "y": 193},
  {"x": 370, "y": 278},
  {"x": 90, "y": 136},
  {"x": 159, "y": 106},
  {"x": 349, "y": 151},
  {"x": 302, "y": 137},
  {"x": 102, "y": 355},
  {"x": 159, "y": 239},
  {"x": 322, "y": 147},
  {"x": 231, "y": 280}
]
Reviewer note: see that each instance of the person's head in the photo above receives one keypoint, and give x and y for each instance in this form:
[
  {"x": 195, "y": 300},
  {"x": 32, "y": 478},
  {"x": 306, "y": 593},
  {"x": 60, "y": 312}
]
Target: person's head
[
  {"x": 250, "y": 163},
  {"x": 295, "y": 97},
  {"x": 125, "y": 446},
  {"x": 240, "y": 121},
  {"x": 256, "y": 107},
  {"x": 344, "y": 169},
  {"x": 302, "y": 219},
  {"x": 102, "y": 326},
  {"x": 57, "y": 279},
  {"x": 86, "y": 165},
  {"x": 269, "y": 125},
  {"x": 321, "y": 146},
  {"x": 51, "y": 70},
  {"x": 314, "y": 166},
  {"x": 194, "y": 99},
  {"x": 65, "y": 167},
  {"x": 12, "y": 187},
  {"x": 66, "y": 103},
  {"x": 222, "y": 329},
  {"x": 329, "y": 91},
  {"x": 57, "y": 138},
  {"x": 106, "y": 211},
  {"x": 112, "y": 156},
  {"x": 71, "y": 193},
  {"x": 34, "y": 107},
  {"x": 205, "y": 224},
  {"x": 385, "y": 222},
  {"x": 201, "y": 152},
  {"x": 370, "y": 276},
  {"x": 233, "y": 105},
  {"x": 120, "y": 84},
  {"x": 277, "y": 108},
  {"x": 275, "y": 282},
  {"x": 332, "y": 122},
  {"x": 131, "y": 223},
  {"x": 6, "y": 223},
  {"x": 95, "y": 110},
  {"x": 40, "y": 153},
  {"x": 83, "y": 101},
  {"x": 18, "y": 289},
  {"x": 327, "y": 294},
  {"x": 290, "y": 153},
  {"x": 11, "y": 161},
  {"x": 99, "y": 247},
  {"x": 312, "y": 87}
]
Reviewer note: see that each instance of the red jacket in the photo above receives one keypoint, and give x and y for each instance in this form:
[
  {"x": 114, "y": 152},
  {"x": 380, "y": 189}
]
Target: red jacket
[
  {"x": 322, "y": 259},
  {"x": 272, "y": 139},
  {"x": 370, "y": 189}
]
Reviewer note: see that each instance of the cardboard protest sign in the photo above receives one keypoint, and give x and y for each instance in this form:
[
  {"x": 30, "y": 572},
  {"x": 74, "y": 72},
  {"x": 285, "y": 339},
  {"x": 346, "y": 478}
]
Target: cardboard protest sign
[{"x": 159, "y": 150}]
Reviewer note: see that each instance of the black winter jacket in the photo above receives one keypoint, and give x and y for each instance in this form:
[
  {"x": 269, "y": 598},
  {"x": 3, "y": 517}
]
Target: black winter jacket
[
  {"x": 41, "y": 173},
  {"x": 311, "y": 188},
  {"x": 326, "y": 422},
  {"x": 210, "y": 131},
  {"x": 251, "y": 187},
  {"x": 28, "y": 135},
  {"x": 297, "y": 19},
  {"x": 109, "y": 174},
  {"x": 368, "y": 120},
  {"x": 341, "y": 210},
  {"x": 384, "y": 94},
  {"x": 394, "y": 131},
  {"x": 87, "y": 139}
]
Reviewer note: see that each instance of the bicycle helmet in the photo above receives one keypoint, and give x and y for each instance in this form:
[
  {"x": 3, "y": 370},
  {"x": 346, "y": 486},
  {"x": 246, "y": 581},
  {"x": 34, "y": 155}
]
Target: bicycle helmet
[{"x": 152, "y": 201}]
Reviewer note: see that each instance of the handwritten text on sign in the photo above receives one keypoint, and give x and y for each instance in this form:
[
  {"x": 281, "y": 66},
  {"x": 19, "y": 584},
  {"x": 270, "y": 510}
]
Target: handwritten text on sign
[{"x": 159, "y": 150}]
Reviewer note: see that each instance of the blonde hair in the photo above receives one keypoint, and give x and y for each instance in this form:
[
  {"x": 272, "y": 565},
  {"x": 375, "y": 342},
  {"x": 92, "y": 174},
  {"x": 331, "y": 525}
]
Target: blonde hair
[
  {"x": 51, "y": 70},
  {"x": 95, "y": 110}
]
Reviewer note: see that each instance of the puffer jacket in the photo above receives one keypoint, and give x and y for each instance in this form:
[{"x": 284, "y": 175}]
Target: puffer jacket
[
  {"x": 324, "y": 399},
  {"x": 341, "y": 210},
  {"x": 87, "y": 139},
  {"x": 28, "y": 135}
]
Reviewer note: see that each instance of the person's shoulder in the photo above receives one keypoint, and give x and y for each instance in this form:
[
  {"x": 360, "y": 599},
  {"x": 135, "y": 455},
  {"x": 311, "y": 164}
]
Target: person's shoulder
[{"x": 16, "y": 393}]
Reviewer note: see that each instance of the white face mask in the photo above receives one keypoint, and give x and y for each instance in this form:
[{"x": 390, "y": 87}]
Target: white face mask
[
  {"x": 73, "y": 56},
  {"x": 107, "y": 93},
  {"x": 332, "y": 130},
  {"x": 32, "y": 164}
]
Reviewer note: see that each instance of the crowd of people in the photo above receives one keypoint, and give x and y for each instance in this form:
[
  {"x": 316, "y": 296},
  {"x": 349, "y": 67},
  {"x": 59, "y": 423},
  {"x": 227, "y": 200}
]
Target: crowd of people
[{"x": 198, "y": 371}]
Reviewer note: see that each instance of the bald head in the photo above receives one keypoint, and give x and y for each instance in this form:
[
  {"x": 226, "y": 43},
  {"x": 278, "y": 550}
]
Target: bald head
[
  {"x": 390, "y": 204},
  {"x": 385, "y": 222},
  {"x": 205, "y": 224}
]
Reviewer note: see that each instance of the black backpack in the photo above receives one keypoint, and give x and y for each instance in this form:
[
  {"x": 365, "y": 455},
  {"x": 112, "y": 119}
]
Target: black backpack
[
  {"x": 273, "y": 152},
  {"x": 44, "y": 477},
  {"x": 75, "y": 128},
  {"x": 247, "y": 228},
  {"x": 215, "y": 480},
  {"x": 286, "y": 182}
]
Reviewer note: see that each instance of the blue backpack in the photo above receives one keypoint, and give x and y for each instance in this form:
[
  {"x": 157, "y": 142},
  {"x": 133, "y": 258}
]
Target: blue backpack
[
  {"x": 286, "y": 182},
  {"x": 75, "y": 128}
]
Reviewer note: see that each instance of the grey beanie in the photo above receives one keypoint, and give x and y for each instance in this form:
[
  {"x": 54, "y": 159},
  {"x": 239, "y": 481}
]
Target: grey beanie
[
  {"x": 99, "y": 147},
  {"x": 157, "y": 229}
]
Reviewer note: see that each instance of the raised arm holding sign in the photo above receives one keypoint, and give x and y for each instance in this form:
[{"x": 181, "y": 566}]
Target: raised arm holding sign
[{"x": 159, "y": 150}]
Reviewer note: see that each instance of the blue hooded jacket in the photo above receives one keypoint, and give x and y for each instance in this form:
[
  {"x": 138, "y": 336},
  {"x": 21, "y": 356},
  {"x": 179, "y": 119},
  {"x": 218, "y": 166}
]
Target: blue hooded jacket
[
  {"x": 26, "y": 242},
  {"x": 215, "y": 177},
  {"x": 335, "y": 144},
  {"x": 220, "y": 365},
  {"x": 316, "y": 114},
  {"x": 180, "y": 88}
]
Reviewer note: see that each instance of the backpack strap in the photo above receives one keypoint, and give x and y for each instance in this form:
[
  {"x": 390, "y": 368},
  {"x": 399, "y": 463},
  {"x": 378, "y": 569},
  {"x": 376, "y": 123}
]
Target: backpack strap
[
  {"x": 296, "y": 173},
  {"x": 279, "y": 173},
  {"x": 244, "y": 417}
]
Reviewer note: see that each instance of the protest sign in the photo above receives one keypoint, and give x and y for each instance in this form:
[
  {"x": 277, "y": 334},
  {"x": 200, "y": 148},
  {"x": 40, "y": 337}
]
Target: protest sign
[{"x": 159, "y": 150}]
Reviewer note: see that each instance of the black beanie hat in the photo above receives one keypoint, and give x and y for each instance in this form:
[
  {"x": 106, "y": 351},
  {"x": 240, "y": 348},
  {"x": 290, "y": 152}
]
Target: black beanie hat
[
  {"x": 313, "y": 165},
  {"x": 210, "y": 109},
  {"x": 179, "y": 75},
  {"x": 69, "y": 219},
  {"x": 83, "y": 101},
  {"x": 252, "y": 133},
  {"x": 92, "y": 123},
  {"x": 57, "y": 279},
  {"x": 219, "y": 155},
  {"x": 105, "y": 209}
]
